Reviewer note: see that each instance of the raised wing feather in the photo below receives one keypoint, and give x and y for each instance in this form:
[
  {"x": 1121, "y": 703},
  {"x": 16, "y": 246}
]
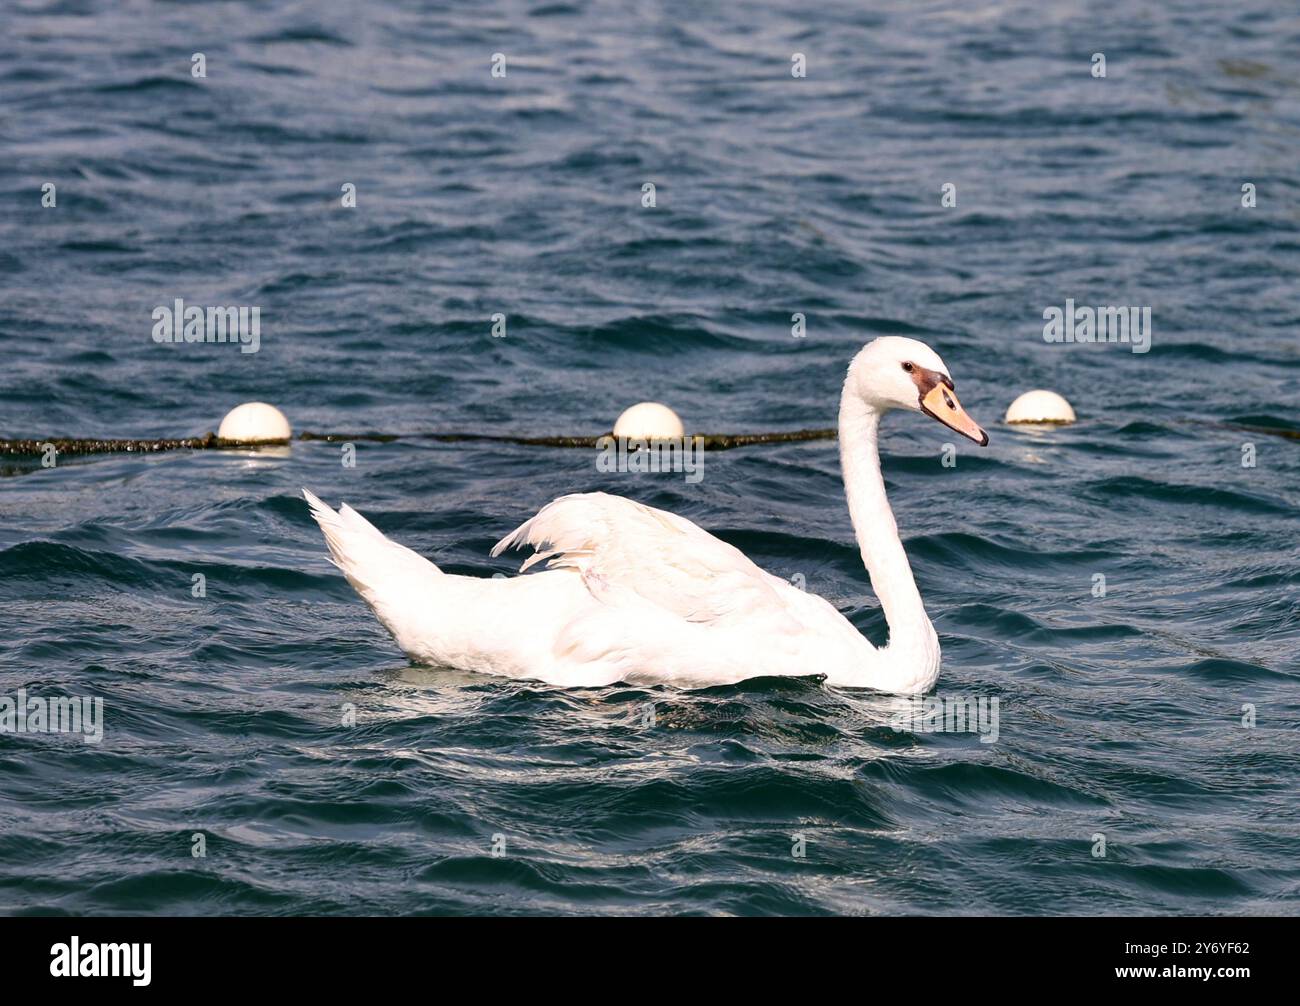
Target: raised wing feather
[{"x": 621, "y": 546}]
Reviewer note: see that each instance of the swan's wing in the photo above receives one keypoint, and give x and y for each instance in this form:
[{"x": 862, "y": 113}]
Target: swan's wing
[{"x": 620, "y": 546}]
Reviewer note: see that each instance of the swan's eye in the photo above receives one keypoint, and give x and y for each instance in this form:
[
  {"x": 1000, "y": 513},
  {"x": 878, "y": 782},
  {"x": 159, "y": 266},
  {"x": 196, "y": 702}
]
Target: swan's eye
[{"x": 907, "y": 367}]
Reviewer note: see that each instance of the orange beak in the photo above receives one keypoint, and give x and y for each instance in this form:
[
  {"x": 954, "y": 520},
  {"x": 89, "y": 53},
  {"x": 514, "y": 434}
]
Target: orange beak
[{"x": 941, "y": 403}]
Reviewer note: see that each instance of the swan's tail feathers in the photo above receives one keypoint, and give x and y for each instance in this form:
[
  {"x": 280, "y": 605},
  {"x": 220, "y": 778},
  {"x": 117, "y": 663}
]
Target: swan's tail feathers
[{"x": 388, "y": 576}]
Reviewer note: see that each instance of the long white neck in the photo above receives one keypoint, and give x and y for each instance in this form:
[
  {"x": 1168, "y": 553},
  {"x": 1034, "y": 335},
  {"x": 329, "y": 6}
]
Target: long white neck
[{"x": 910, "y": 663}]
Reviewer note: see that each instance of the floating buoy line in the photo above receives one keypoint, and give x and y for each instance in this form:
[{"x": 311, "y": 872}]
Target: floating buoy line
[
  {"x": 210, "y": 441},
  {"x": 256, "y": 425}
]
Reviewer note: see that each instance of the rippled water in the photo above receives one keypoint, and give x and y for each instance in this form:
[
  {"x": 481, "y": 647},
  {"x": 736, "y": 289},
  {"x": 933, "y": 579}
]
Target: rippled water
[{"x": 1120, "y": 715}]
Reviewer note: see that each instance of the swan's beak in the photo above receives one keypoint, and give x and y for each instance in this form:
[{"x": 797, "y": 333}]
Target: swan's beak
[{"x": 940, "y": 403}]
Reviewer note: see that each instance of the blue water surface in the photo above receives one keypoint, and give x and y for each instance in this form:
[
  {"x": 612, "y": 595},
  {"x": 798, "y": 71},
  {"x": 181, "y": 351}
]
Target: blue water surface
[{"x": 272, "y": 724}]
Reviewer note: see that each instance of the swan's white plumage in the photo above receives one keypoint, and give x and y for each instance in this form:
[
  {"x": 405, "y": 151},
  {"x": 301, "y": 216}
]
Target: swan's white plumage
[
  {"x": 616, "y": 544},
  {"x": 367, "y": 558},
  {"x": 637, "y": 594}
]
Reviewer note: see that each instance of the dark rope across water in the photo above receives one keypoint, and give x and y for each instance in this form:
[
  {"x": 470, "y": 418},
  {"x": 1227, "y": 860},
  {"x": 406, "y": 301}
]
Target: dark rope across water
[
  {"x": 712, "y": 441},
  {"x": 210, "y": 441}
]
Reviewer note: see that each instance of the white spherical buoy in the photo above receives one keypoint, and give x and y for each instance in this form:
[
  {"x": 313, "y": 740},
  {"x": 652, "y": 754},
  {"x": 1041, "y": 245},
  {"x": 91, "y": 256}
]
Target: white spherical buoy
[
  {"x": 649, "y": 421},
  {"x": 1040, "y": 407},
  {"x": 254, "y": 421}
]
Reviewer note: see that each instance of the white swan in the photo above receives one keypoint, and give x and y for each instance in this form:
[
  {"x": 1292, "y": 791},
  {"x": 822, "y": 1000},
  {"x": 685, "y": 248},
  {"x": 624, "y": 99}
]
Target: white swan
[{"x": 639, "y": 595}]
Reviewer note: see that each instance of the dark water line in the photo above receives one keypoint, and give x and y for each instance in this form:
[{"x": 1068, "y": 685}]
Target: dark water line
[{"x": 65, "y": 445}]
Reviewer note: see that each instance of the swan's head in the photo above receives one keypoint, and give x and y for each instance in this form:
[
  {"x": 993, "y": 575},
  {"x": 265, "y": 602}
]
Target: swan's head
[{"x": 897, "y": 373}]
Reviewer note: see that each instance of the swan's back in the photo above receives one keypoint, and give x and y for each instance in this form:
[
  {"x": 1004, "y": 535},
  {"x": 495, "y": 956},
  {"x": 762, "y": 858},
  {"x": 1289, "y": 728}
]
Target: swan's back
[{"x": 622, "y": 548}]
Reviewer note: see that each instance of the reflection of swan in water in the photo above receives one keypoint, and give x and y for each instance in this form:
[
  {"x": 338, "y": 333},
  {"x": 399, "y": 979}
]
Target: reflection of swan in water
[{"x": 640, "y": 595}]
